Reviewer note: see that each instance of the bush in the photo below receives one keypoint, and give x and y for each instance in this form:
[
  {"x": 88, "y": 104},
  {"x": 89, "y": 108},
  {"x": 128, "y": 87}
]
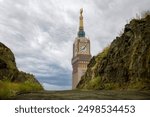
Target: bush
[
  {"x": 29, "y": 86},
  {"x": 145, "y": 14},
  {"x": 9, "y": 89}
]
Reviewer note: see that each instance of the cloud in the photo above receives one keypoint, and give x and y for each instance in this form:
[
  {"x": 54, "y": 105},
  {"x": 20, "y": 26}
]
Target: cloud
[{"x": 41, "y": 33}]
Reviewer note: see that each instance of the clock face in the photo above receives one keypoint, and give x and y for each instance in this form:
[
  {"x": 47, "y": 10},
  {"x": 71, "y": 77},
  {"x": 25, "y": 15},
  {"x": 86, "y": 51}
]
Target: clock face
[{"x": 83, "y": 48}]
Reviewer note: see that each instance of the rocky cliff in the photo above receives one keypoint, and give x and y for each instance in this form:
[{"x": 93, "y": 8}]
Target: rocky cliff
[
  {"x": 125, "y": 64},
  {"x": 11, "y": 76}
]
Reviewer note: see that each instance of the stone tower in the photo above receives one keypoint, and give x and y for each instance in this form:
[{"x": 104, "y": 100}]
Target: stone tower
[{"x": 81, "y": 53}]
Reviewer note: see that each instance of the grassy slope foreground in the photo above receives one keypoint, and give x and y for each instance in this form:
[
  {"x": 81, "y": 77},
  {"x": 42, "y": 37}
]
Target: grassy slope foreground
[
  {"x": 125, "y": 64},
  {"x": 13, "y": 81}
]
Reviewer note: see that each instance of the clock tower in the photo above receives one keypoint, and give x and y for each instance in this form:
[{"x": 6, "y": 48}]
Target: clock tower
[{"x": 81, "y": 54}]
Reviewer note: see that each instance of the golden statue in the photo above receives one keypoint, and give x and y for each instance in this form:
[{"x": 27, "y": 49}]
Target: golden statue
[
  {"x": 81, "y": 19},
  {"x": 81, "y": 11}
]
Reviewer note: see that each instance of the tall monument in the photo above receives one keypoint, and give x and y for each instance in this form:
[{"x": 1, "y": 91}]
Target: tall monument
[{"x": 81, "y": 53}]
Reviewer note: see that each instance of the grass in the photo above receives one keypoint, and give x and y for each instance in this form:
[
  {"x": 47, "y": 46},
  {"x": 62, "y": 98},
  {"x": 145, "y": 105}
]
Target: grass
[
  {"x": 103, "y": 54},
  {"x": 112, "y": 86},
  {"x": 9, "y": 89},
  {"x": 140, "y": 84},
  {"x": 93, "y": 84},
  {"x": 99, "y": 58}
]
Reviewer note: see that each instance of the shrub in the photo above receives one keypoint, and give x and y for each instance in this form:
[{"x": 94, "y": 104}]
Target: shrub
[
  {"x": 145, "y": 14},
  {"x": 9, "y": 89}
]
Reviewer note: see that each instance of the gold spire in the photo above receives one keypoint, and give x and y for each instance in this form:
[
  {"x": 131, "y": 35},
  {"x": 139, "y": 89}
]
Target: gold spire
[
  {"x": 81, "y": 32},
  {"x": 81, "y": 20}
]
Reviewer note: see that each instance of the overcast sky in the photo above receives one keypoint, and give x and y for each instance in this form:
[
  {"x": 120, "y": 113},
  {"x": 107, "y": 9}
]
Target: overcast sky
[{"x": 41, "y": 32}]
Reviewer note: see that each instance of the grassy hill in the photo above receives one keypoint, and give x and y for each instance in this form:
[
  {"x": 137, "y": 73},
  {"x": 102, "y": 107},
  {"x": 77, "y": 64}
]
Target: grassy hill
[
  {"x": 13, "y": 81},
  {"x": 125, "y": 64}
]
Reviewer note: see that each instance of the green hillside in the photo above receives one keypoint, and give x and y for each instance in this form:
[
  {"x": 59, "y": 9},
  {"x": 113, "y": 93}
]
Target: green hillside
[
  {"x": 125, "y": 64},
  {"x": 13, "y": 81}
]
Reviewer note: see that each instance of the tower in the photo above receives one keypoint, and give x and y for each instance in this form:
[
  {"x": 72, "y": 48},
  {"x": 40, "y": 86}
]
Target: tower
[{"x": 81, "y": 53}]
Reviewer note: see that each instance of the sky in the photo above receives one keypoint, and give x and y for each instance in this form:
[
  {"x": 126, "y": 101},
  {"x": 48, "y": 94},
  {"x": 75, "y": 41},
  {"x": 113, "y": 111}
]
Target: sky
[{"x": 41, "y": 32}]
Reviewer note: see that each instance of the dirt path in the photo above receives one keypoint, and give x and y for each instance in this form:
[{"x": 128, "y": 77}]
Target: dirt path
[{"x": 84, "y": 95}]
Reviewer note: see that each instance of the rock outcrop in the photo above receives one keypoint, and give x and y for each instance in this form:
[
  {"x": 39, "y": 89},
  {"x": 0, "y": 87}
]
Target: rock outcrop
[
  {"x": 125, "y": 64},
  {"x": 8, "y": 69}
]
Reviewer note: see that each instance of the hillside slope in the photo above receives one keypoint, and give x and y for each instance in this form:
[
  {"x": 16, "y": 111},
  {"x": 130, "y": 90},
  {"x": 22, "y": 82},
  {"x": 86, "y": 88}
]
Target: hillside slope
[
  {"x": 11, "y": 79},
  {"x": 125, "y": 64}
]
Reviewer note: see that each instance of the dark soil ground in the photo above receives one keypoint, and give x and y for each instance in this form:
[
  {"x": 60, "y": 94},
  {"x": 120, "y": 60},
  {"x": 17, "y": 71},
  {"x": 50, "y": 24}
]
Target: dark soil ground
[{"x": 84, "y": 95}]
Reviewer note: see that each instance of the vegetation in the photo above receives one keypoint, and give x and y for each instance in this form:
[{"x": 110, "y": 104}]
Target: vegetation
[
  {"x": 143, "y": 14},
  {"x": 140, "y": 84},
  {"x": 93, "y": 81},
  {"x": 93, "y": 84},
  {"x": 13, "y": 81},
  {"x": 125, "y": 64},
  {"x": 9, "y": 89}
]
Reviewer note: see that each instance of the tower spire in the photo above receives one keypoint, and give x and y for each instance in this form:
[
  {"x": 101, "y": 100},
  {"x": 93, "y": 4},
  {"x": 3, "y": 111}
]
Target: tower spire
[{"x": 81, "y": 32}]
